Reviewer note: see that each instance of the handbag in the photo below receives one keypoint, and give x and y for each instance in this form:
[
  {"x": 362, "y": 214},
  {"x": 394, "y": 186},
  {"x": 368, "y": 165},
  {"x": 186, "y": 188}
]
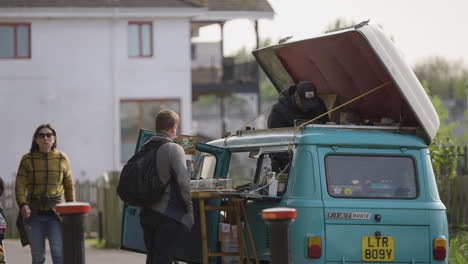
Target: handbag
[{"x": 21, "y": 226}]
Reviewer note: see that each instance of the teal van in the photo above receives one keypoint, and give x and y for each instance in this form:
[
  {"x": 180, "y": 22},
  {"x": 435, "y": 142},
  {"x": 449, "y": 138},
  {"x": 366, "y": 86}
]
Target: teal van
[
  {"x": 362, "y": 184},
  {"x": 362, "y": 193}
]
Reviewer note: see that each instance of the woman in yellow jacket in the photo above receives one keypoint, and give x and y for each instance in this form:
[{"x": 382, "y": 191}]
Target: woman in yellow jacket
[{"x": 44, "y": 179}]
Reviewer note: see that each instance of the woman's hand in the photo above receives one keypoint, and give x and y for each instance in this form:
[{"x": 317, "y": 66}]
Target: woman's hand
[{"x": 25, "y": 211}]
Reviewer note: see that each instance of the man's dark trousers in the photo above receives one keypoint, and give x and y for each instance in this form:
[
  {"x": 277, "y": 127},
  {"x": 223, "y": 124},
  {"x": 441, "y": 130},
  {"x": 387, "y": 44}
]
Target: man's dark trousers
[{"x": 161, "y": 234}]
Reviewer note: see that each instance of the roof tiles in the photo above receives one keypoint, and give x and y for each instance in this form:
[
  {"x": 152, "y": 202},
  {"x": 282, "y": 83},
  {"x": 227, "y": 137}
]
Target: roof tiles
[
  {"x": 212, "y": 5},
  {"x": 101, "y": 3}
]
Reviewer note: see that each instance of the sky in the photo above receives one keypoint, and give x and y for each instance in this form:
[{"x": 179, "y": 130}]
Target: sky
[{"x": 420, "y": 28}]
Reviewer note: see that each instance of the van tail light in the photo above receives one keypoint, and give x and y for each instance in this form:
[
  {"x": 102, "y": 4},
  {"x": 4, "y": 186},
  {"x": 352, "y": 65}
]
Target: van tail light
[
  {"x": 314, "y": 247},
  {"x": 440, "y": 248}
]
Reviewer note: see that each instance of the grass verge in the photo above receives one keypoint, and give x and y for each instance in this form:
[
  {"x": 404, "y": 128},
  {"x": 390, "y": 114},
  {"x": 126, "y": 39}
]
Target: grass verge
[{"x": 459, "y": 249}]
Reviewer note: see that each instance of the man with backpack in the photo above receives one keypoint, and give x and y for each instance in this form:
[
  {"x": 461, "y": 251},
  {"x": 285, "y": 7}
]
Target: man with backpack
[{"x": 166, "y": 221}]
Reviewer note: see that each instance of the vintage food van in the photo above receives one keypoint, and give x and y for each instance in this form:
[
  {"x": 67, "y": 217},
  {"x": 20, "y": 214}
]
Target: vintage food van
[{"x": 362, "y": 185}]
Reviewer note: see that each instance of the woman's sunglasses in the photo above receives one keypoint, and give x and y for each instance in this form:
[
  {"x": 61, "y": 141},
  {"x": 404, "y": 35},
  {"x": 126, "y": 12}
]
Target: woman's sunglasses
[{"x": 43, "y": 135}]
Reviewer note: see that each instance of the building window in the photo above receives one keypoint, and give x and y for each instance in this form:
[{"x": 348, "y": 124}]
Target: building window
[
  {"x": 15, "y": 40},
  {"x": 140, "y": 39},
  {"x": 137, "y": 114}
]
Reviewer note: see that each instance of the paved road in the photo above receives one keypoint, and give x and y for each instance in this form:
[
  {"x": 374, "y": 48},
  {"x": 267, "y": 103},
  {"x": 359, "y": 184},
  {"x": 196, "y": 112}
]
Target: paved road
[{"x": 18, "y": 255}]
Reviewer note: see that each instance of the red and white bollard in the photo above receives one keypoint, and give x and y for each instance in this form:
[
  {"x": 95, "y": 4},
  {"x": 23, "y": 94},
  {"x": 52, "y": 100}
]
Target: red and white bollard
[
  {"x": 279, "y": 224},
  {"x": 73, "y": 231}
]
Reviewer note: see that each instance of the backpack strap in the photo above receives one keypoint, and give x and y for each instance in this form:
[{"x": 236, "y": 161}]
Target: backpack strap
[
  {"x": 152, "y": 143},
  {"x": 156, "y": 144}
]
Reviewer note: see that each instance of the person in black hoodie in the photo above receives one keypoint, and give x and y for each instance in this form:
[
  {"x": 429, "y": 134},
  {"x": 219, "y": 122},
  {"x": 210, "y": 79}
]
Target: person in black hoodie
[{"x": 298, "y": 102}]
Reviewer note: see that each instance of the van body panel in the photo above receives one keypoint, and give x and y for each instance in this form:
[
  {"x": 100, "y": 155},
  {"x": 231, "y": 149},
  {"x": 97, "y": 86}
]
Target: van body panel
[
  {"x": 388, "y": 216},
  {"x": 403, "y": 204},
  {"x": 410, "y": 242},
  {"x": 304, "y": 182},
  {"x": 439, "y": 225},
  {"x": 323, "y": 135},
  {"x": 308, "y": 223},
  {"x": 431, "y": 181},
  {"x": 259, "y": 227}
]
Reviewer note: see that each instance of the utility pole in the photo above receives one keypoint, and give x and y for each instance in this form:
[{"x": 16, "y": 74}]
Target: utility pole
[
  {"x": 259, "y": 101},
  {"x": 221, "y": 98}
]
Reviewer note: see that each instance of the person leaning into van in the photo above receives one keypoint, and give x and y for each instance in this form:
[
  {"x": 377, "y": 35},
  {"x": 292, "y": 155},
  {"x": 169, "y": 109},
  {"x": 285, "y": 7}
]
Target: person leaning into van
[
  {"x": 166, "y": 221},
  {"x": 44, "y": 179},
  {"x": 298, "y": 102}
]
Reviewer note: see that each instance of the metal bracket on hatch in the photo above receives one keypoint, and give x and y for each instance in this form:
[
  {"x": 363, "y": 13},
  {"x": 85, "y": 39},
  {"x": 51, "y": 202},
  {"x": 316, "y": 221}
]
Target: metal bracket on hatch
[{"x": 360, "y": 25}]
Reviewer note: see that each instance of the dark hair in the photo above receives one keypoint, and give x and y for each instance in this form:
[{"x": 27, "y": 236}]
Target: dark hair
[
  {"x": 34, "y": 145},
  {"x": 166, "y": 119}
]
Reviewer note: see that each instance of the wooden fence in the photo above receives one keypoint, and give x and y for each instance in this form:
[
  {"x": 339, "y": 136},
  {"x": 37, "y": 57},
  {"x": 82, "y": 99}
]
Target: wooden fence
[{"x": 457, "y": 203}]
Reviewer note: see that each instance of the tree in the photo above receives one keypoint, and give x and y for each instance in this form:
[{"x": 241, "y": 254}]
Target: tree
[
  {"x": 444, "y": 79},
  {"x": 245, "y": 55},
  {"x": 445, "y": 153},
  {"x": 447, "y": 79},
  {"x": 268, "y": 92}
]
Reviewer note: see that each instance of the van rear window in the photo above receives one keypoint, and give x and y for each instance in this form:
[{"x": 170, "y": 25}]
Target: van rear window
[{"x": 371, "y": 177}]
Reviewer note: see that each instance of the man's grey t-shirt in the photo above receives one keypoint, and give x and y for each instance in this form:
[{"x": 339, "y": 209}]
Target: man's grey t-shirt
[{"x": 177, "y": 199}]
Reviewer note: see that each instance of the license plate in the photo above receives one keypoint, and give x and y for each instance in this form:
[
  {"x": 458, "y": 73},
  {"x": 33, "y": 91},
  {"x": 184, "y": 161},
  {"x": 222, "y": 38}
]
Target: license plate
[{"x": 377, "y": 248}]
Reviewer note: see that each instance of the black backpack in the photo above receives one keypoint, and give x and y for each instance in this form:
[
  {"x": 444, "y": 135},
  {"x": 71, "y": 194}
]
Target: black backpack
[{"x": 139, "y": 184}]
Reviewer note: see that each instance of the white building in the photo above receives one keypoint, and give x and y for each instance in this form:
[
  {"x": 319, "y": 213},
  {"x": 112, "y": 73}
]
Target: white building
[{"x": 96, "y": 70}]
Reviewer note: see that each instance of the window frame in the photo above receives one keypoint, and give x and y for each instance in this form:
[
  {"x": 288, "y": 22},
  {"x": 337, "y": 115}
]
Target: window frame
[
  {"x": 287, "y": 171},
  {"x": 15, "y": 39},
  {"x": 140, "y": 116},
  {"x": 416, "y": 177},
  {"x": 198, "y": 167},
  {"x": 258, "y": 167},
  {"x": 140, "y": 39}
]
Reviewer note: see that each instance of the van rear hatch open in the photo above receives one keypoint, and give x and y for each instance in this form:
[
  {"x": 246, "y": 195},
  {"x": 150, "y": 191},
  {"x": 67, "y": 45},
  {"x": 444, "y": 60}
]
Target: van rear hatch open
[{"x": 350, "y": 63}]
